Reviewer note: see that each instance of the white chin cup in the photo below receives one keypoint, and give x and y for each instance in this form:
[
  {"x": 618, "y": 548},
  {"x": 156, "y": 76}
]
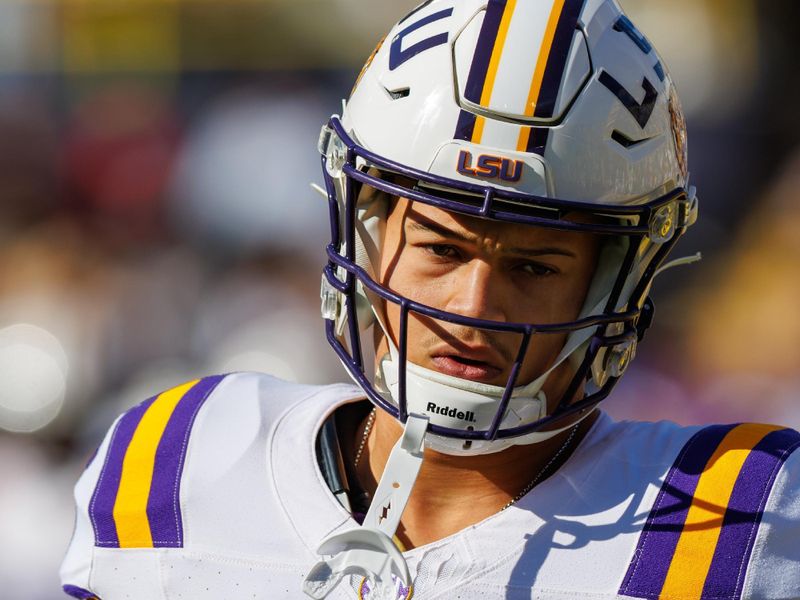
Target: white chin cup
[{"x": 466, "y": 405}]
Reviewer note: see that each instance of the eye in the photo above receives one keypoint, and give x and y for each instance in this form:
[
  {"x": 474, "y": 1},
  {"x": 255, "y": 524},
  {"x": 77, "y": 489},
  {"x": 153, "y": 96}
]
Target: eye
[
  {"x": 443, "y": 250},
  {"x": 537, "y": 269}
]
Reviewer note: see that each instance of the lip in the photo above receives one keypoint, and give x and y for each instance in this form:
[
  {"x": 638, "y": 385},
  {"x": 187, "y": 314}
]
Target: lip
[
  {"x": 478, "y": 364},
  {"x": 457, "y": 367}
]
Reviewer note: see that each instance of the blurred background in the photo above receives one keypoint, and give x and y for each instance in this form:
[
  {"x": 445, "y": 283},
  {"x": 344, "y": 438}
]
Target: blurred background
[{"x": 156, "y": 220}]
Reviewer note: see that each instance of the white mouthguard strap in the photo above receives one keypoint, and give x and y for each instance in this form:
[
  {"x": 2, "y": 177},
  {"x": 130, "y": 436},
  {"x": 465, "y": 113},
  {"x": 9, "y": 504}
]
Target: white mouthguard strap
[{"x": 369, "y": 550}]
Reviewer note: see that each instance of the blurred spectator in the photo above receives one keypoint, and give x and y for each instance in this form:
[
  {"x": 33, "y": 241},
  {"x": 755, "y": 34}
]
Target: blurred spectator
[
  {"x": 119, "y": 149},
  {"x": 242, "y": 181},
  {"x": 745, "y": 327}
]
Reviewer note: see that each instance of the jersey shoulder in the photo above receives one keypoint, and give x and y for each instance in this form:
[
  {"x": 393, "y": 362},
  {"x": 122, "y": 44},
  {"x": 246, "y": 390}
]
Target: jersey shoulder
[
  {"x": 726, "y": 516},
  {"x": 167, "y": 464}
]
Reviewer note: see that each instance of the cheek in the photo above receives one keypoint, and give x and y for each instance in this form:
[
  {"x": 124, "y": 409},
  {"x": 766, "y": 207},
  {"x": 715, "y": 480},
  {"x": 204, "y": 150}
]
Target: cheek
[
  {"x": 560, "y": 299},
  {"x": 400, "y": 276},
  {"x": 561, "y": 303},
  {"x": 548, "y": 302},
  {"x": 404, "y": 272},
  {"x": 404, "y": 283},
  {"x": 542, "y": 352}
]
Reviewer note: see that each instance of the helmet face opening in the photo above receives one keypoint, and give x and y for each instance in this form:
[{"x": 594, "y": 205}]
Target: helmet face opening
[{"x": 495, "y": 387}]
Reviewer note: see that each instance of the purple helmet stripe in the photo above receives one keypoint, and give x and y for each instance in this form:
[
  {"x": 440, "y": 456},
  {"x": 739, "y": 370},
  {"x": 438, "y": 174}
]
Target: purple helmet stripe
[
  {"x": 744, "y": 511},
  {"x": 556, "y": 62},
  {"x": 465, "y": 126},
  {"x": 163, "y": 504},
  {"x": 537, "y": 140},
  {"x": 659, "y": 538},
  {"x": 101, "y": 507},
  {"x": 483, "y": 50}
]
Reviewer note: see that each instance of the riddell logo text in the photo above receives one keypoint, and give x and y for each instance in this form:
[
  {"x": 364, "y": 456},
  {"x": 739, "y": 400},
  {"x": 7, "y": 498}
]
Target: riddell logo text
[{"x": 468, "y": 416}]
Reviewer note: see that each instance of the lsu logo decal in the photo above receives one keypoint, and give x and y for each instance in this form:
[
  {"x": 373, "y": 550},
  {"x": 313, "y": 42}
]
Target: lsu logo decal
[{"x": 488, "y": 166}]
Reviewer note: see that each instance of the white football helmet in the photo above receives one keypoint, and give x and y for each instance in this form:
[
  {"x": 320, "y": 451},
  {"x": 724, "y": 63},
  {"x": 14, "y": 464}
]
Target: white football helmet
[{"x": 518, "y": 112}]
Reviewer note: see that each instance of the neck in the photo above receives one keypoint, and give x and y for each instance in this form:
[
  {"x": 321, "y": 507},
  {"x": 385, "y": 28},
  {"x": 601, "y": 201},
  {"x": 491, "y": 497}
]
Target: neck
[{"x": 454, "y": 492}]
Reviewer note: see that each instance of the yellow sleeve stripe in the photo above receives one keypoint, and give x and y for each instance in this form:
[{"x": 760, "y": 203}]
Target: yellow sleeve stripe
[
  {"x": 698, "y": 541},
  {"x": 130, "y": 508}
]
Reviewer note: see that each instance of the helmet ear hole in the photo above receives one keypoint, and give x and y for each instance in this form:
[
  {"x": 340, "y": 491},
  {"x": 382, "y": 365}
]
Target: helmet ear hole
[{"x": 399, "y": 93}]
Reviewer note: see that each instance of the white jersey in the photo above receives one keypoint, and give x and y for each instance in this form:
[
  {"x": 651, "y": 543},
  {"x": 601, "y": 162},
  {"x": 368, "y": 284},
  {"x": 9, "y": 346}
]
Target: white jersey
[{"x": 212, "y": 490}]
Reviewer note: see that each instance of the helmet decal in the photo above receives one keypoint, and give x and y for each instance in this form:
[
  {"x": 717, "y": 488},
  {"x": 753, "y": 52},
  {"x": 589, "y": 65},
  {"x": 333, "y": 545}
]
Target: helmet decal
[
  {"x": 488, "y": 166},
  {"x": 625, "y": 26},
  {"x": 397, "y": 56},
  {"x": 679, "y": 132},
  {"x": 640, "y": 111},
  {"x": 367, "y": 64}
]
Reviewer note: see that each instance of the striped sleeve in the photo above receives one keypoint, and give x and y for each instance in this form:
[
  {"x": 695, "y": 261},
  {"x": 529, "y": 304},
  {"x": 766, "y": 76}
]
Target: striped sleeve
[
  {"x": 129, "y": 495},
  {"x": 716, "y": 500},
  {"x": 775, "y": 562}
]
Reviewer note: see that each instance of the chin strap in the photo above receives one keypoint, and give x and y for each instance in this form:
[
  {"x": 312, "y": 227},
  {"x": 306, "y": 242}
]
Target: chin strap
[{"x": 369, "y": 550}]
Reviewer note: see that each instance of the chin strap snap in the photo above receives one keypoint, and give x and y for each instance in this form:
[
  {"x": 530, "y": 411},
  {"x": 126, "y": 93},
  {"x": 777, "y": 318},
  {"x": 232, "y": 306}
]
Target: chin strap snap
[{"x": 369, "y": 550}]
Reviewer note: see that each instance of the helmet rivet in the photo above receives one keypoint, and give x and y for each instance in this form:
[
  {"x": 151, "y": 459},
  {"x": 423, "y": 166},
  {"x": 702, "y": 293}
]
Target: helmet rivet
[
  {"x": 620, "y": 357},
  {"x": 662, "y": 224}
]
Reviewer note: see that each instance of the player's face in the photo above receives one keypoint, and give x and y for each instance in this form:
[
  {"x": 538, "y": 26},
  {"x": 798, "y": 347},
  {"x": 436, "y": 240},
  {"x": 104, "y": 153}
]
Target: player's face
[{"x": 477, "y": 268}]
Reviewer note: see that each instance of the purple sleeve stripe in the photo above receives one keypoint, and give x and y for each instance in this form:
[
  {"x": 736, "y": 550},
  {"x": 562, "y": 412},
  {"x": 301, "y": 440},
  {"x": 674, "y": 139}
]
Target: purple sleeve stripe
[
  {"x": 557, "y": 60},
  {"x": 483, "y": 50},
  {"x": 101, "y": 506},
  {"x": 659, "y": 538},
  {"x": 163, "y": 504},
  {"x": 76, "y": 592},
  {"x": 743, "y": 515}
]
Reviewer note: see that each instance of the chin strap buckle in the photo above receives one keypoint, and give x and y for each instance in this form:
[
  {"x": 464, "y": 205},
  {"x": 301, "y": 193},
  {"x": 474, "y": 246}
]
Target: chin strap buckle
[{"x": 369, "y": 550}]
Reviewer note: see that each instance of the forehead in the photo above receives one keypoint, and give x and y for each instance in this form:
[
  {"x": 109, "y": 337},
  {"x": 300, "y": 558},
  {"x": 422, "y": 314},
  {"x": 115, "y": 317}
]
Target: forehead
[{"x": 405, "y": 213}]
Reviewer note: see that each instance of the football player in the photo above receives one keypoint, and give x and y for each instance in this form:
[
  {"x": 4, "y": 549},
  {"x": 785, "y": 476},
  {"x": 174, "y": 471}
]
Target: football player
[{"x": 505, "y": 182}]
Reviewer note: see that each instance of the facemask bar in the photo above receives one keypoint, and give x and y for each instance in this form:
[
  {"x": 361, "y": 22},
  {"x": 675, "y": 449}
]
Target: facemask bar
[
  {"x": 340, "y": 151},
  {"x": 665, "y": 217},
  {"x": 407, "y": 306}
]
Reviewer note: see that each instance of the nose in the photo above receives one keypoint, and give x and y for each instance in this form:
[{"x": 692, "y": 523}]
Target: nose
[{"x": 476, "y": 292}]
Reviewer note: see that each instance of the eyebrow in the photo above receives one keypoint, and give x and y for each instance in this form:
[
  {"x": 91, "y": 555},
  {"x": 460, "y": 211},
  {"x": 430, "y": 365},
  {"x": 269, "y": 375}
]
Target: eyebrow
[{"x": 430, "y": 226}]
